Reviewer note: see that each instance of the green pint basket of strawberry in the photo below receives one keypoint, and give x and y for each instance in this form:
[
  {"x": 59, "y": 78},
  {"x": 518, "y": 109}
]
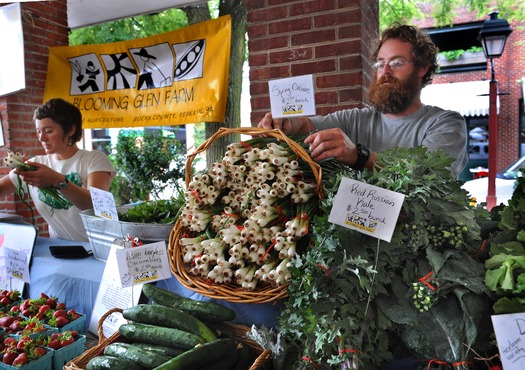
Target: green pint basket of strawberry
[
  {"x": 24, "y": 353},
  {"x": 66, "y": 346},
  {"x": 53, "y": 313}
]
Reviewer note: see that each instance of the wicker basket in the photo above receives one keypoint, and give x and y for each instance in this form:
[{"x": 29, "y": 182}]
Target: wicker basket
[
  {"x": 238, "y": 332},
  {"x": 231, "y": 292}
]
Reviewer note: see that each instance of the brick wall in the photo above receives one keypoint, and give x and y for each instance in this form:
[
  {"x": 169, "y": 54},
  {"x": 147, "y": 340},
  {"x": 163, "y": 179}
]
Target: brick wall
[
  {"x": 44, "y": 25},
  {"x": 330, "y": 39},
  {"x": 509, "y": 69}
]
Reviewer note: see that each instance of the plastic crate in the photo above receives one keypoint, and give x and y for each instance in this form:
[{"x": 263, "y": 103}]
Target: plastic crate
[
  {"x": 63, "y": 355},
  {"x": 45, "y": 362}
]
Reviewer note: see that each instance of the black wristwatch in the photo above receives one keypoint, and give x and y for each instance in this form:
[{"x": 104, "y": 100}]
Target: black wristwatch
[
  {"x": 62, "y": 185},
  {"x": 363, "y": 153}
]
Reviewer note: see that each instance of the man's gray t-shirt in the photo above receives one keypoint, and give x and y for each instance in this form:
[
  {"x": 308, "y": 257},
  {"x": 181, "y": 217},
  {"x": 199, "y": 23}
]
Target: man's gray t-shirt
[{"x": 429, "y": 126}]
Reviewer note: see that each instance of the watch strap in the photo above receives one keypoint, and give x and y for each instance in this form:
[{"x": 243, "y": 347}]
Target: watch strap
[
  {"x": 363, "y": 153},
  {"x": 63, "y": 185}
]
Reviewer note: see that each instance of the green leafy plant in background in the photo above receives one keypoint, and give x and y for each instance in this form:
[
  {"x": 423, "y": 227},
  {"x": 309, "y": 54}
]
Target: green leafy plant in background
[
  {"x": 506, "y": 266},
  {"x": 148, "y": 163}
]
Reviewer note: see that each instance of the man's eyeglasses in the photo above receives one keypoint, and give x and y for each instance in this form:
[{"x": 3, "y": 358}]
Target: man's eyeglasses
[{"x": 394, "y": 64}]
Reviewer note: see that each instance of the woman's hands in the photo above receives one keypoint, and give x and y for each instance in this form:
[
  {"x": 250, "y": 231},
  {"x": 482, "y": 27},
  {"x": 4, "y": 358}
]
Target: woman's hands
[{"x": 42, "y": 177}]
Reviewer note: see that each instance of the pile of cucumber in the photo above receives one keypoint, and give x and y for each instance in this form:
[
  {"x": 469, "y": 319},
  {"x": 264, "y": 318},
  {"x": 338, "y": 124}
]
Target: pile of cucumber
[{"x": 174, "y": 333}]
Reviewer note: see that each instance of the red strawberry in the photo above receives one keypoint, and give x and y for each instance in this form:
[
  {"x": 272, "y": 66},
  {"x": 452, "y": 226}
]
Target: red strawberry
[
  {"x": 10, "y": 342},
  {"x": 9, "y": 356},
  {"x": 38, "y": 352},
  {"x": 16, "y": 326},
  {"x": 55, "y": 344},
  {"x": 20, "y": 360},
  {"x": 24, "y": 343},
  {"x": 51, "y": 302},
  {"x": 6, "y": 321},
  {"x": 66, "y": 338},
  {"x": 43, "y": 309},
  {"x": 5, "y": 301},
  {"x": 61, "y": 306},
  {"x": 61, "y": 321},
  {"x": 58, "y": 313},
  {"x": 15, "y": 308},
  {"x": 44, "y": 295}
]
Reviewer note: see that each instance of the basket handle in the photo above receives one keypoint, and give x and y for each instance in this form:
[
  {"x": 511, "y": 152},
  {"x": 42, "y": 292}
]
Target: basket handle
[
  {"x": 256, "y": 131},
  {"x": 100, "y": 328}
]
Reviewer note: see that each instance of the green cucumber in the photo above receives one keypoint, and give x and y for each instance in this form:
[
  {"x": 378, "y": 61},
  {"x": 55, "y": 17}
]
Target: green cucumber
[
  {"x": 209, "y": 311},
  {"x": 111, "y": 363},
  {"x": 170, "y": 317},
  {"x": 226, "y": 363},
  {"x": 160, "y": 349},
  {"x": 203, "y": 355},
  {"x": 138, "y": 356},
  {"x": 170, "y": 337},
  {"x": 245, "y": 360}
]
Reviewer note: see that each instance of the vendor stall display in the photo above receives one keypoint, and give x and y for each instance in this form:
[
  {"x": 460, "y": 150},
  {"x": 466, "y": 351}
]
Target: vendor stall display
[{"x": 347, "y": 299}]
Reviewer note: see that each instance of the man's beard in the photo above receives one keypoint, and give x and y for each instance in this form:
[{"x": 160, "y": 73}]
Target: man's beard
[{"x": 394, "y": 97}]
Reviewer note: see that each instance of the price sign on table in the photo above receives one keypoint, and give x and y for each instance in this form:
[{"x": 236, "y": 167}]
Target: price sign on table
[{"x": 143, "y": 264}]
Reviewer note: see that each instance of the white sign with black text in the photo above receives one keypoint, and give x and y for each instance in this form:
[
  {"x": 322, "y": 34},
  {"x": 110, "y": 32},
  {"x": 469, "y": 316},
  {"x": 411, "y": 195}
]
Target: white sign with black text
[
  {"x": 292, "y": 97},
  {"x": 510, "y": 336},
  {"x": 366, "y": 208}
]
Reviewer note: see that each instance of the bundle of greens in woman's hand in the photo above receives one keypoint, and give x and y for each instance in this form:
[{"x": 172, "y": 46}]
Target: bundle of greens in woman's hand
[
  {"x": 354, "y": 298},
  {"x": 16, "y": 160}
]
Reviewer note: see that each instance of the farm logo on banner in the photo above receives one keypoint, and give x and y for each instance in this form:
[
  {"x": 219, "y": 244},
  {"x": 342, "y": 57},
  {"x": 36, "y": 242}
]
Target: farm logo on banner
[{"x": 174, "y": 78}]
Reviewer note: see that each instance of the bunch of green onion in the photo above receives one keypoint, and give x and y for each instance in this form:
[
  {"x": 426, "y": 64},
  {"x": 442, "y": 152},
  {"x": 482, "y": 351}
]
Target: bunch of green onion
[
  {"x": 249, "y": 211},
  {"x": 16, "y": 160}
]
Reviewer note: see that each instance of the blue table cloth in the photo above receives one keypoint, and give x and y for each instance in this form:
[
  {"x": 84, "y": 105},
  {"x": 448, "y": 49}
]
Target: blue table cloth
[
  {"x": 73, "y": 281},
  {"x": 76, "y": 282}
]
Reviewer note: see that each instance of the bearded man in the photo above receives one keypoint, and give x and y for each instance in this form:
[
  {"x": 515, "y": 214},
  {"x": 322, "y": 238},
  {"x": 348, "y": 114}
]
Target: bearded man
[{"x": 406, "y": 60}]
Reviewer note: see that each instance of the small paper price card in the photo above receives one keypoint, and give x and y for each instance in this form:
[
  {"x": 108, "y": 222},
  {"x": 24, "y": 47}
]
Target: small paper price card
[
  {"x": 366, "y": 208},
  {"x": 103, "y": 203},
  {"x": 510, "y": 335},
  {"x": 292, "y": 97},
  {"x": 17, "y": 264},
  {"x": 143, "y": 264}
]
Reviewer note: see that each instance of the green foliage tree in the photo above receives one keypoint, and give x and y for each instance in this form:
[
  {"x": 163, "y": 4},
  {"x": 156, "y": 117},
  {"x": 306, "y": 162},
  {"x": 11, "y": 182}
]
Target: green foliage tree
[
  {"x": 445, "y": 11},
  {"x": 150, "y": 161}
]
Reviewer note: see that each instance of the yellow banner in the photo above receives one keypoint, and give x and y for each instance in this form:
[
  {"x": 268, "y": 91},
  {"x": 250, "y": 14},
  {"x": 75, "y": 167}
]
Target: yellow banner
[{"x": 174, "y": 78}]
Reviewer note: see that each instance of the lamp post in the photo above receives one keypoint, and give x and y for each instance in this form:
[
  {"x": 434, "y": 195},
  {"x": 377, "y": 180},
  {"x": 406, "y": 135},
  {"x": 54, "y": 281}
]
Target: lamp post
[{"x": 493, "y": 36}]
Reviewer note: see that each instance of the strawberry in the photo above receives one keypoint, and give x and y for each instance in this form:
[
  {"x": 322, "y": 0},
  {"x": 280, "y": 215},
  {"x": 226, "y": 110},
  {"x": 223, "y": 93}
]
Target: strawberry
[
  {"x": 6, "y": 321},
  {"x": 15, "y": 309},
  {"x": 44, "y": 295},
  {"x": 66, "y": 338},
  {"x": 58, "y": 313},
  {"x": 5, "y": 301},
  {"x": 61, "y": 321},
  {"x": 10, "y": 342},
  {"x": 10, "y": 356},
  {"x": 43, "y": 309},
  {"x": 51, "y": 302},
  {"x": 55, "y": 344},
  {"x": 73, "y": 315},
  {"x": 20, "y": 360},
  {"x": 24, "y": 343},
  {"x": 15, "y": 326},
  {"x": 61, "y": 306}
]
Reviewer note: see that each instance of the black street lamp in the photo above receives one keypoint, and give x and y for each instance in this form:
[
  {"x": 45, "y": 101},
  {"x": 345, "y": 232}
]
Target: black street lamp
[{"x": 493, "y": 36}]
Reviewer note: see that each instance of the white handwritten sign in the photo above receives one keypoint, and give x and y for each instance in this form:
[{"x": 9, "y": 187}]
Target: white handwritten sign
[
  {"x": 292, "y": 97},
  {"x": 103, "y": 203},
  {"x": 17, "y": 264},
  {"x": 366, "y": 208},
  {"x": 510, "y": 335},
  {"x": 144, "y": 264}
]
